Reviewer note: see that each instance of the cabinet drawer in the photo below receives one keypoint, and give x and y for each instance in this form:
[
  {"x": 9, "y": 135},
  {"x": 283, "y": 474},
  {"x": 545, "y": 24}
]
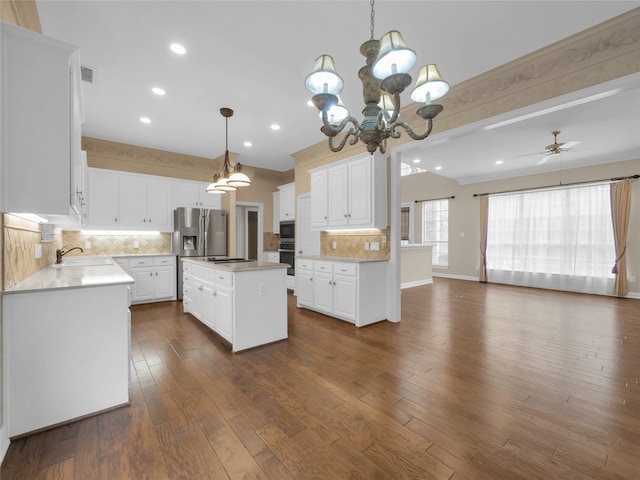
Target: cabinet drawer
[
  {"x": 304, "y": 264},
  {"x": 187, "y": 267},
  {"x": 346, "y": 269},
  {"x": 223, "y": 278},
  {"x": 140, "y": 262},
  {"x": 169, "y": 260},
  {"x": 323, "y": 266}
]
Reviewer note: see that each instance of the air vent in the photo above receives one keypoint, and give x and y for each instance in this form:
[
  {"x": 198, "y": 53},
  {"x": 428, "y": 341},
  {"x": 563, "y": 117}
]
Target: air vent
[{"x": 88, "y": 74}]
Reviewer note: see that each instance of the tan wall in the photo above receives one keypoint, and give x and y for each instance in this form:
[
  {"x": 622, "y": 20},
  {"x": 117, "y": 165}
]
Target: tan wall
[
  {"x": 464, "y": 210},
  {"x": 415, "y": 265}
]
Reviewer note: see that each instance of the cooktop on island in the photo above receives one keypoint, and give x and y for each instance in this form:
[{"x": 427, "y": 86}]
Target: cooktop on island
[{"x": 227, "y": 260}]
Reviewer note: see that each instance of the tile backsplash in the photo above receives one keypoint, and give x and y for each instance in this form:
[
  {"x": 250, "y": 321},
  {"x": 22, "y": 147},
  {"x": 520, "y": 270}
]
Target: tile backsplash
[
  {"x": 20, "y": 238},
  {"x": 352, "y": 244},
  {"x": 270, "y": 241},
  {"x": 113, "y": 244}
]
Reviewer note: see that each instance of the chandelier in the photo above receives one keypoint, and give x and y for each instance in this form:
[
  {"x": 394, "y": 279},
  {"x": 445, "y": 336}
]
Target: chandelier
[
  {"x": 388, "y": 61},
  {"x": 231, "y": 176}
]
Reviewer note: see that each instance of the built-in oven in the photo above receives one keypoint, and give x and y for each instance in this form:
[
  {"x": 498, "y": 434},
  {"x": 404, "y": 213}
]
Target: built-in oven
[
  {"x": 288, "y": 230},
  {"x": 287, "y": 252}
]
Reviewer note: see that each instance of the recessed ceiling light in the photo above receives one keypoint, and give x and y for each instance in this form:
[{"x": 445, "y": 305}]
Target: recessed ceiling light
[
  {"x": 438, "y": 167},
  {"x": 275, "y": 126},
  {"x": 248, "y": 144},
  {"x": 158, "y": 91},
  {"x": 177, "y": 48},
  {"x": 417, "y": 160},
  {"x": 145, "y": 120},
  {"x": 499, "y": 162}
]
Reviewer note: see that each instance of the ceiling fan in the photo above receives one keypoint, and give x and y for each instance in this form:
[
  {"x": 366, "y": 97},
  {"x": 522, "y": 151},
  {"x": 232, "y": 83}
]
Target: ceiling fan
[{"x": 554, "y": 149}]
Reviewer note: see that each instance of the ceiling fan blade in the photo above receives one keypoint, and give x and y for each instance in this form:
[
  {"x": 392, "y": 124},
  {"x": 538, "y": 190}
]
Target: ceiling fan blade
[
  {"x": 544, "y": 159},
  {"x": 530, "y": 154},
  {"x": 569, "y": 145}
]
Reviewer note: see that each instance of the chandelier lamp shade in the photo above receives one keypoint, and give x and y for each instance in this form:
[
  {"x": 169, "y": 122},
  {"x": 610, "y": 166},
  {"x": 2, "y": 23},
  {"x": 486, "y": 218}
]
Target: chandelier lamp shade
[
  {"x": 384, "y": 77},
  {"x": 230, "y": 177}
]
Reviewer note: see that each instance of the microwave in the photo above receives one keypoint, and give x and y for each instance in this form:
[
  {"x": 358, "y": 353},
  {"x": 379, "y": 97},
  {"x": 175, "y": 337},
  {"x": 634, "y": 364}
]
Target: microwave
[{"x": 288, "y": 229}]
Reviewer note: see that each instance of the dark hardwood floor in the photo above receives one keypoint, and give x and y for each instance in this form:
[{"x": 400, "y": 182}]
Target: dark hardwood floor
[{"x": 477, "y": 382}]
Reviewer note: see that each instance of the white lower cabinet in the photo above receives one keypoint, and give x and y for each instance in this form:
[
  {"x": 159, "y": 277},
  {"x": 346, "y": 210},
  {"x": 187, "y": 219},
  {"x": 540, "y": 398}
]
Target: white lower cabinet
[
  {"x": 247, "y": 308},
  {"x": 351, "y": 291},
  {"x": 155, "y": 277},
  {"x": 66, "y": 355},
  {"x": 304, "y": 283}
]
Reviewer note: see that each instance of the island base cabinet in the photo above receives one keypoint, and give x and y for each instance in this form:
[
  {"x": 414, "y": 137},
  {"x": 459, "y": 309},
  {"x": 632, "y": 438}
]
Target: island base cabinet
[
  {"x": 246, "y": 308},
  {"x": 260, "y": 305},
  {"x": 66, "y": 355}
]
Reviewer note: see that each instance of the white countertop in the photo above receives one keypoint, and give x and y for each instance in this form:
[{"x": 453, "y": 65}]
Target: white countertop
[
  {"x": 416, "y": 245},
  {"x": 55, "y": 277},
  {"x": 238, "y": 267},
  {"x": 328, "y": 258}
]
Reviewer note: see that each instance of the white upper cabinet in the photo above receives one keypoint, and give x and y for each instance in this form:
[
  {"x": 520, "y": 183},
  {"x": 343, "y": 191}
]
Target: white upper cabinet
[
  {"x": 350, "y": 194},
  {"x": 104, "y": 198},
  {"x": 287, "y": 202},
  {"x": 41, "y": 113},
  {"x": 194, "y": 194},
  {"x": 128, "y": 201},
  {"x": 145, "y": 203}
]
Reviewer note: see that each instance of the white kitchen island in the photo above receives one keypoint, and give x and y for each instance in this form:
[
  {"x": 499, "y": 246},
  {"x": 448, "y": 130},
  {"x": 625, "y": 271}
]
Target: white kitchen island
[
  {"x": 244, "y": 303},
  {"x": 66, "y": 344}
]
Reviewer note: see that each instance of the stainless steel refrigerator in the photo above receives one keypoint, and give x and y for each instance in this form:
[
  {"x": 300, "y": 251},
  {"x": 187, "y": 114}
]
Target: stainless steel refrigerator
[{"x": 198, "y": 232}]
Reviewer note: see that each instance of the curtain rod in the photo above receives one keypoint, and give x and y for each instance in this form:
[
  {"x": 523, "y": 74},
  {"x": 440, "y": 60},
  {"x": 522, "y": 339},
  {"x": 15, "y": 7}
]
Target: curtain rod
[
  {"x": 616, "y": 179},
  {"x": 434, "y": 199}
]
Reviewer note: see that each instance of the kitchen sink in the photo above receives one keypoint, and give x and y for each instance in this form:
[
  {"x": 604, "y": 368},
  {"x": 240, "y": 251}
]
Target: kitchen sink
[{"x": 84, "y": 262}]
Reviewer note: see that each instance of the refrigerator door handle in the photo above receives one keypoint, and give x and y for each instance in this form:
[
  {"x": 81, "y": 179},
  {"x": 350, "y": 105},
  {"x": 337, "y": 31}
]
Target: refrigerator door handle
[{"x": 202, "y": 235}]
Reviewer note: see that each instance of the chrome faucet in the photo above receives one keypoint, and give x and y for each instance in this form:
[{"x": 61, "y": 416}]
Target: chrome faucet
[{"x": 61, "y": 253}]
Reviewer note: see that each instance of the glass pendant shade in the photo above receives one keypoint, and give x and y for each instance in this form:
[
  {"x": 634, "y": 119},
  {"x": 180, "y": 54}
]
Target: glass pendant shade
[
  {"x": 323, "y": 78},
  {"x": 212, "y": 188},
  {"x": 223, "y": 186},
  {"x": 386, "y": 103},
  {"x": 429, "y": 82},
  {"x": 394, "y": 56},
  {"x": 238, "y": 179},
  {"x": 337, "y": 113}
]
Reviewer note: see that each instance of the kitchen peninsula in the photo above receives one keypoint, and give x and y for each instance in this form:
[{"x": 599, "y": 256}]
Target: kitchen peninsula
[
  {"x": 245, "y": 303},
  {"x": 66, "y": 343}
]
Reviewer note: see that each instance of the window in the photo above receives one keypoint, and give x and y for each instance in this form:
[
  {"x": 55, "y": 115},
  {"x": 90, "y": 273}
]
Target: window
[
  {"x": 435, "y": 230},
  {"x": 561, "y": 238},
  {"x": 406, "y": 223}
]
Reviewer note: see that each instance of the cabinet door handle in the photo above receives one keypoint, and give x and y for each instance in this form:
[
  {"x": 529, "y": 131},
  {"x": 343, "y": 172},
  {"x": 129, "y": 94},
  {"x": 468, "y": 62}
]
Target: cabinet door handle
[
  {"x": 115, "y": 219},
  {"x": 151, "y": 274},
  {"x": 215, "y": 294},
  {"x": 156, "y": 274},
  {"x": 200, "y": 288}
]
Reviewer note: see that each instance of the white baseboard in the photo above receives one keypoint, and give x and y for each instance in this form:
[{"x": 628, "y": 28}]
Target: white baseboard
[
  {"x": 4, "y": 442},
  {"x": 416, "y": 284},
  {"x": 457, "y": 277},
  {"x": 633, "y": 295}
]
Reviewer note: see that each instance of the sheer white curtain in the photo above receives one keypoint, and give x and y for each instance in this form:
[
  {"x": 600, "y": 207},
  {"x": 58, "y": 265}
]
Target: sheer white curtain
[{"x": 560, "y": 239}]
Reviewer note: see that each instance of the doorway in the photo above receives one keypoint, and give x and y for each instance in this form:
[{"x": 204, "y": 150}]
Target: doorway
[{"x": 249, "y": 228}]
